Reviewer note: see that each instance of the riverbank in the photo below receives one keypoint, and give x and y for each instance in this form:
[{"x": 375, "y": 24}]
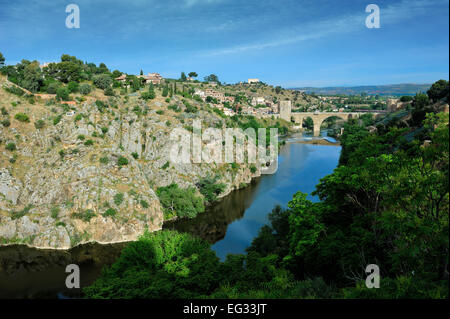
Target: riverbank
[{"x": 319, "y": 142}]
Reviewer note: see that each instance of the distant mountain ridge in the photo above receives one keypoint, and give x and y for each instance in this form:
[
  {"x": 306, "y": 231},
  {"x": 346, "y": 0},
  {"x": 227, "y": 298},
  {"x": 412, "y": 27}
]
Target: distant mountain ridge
[{"x": 391, "y": 89}]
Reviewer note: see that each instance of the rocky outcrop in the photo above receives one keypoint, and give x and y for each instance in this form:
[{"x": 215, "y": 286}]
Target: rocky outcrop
[{"x": 66, "y": 187}]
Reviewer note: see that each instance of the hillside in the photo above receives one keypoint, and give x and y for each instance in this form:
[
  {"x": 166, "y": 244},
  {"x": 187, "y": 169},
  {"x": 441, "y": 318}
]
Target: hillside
[{"x": 90, "y": 169}]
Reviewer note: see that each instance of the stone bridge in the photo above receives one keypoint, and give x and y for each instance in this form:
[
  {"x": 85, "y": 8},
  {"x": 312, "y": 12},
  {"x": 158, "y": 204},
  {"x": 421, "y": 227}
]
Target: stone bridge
[{"x": 317, "y": 117}]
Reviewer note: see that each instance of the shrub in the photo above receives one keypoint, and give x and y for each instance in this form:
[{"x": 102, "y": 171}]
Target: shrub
[
  {"x": 210, "y": 188},
  {"x": 55, "y": 212},
  {"x": 122, "y": 161},
  {"x": 109, "y": 91},
  {"x": 81, "y": 137},
  {"x": 118, "y": 199},
  {"x": 104, "y": 160},
  {"x": 85, "y": 89},
  {"x": 57, "y": 119},
  {"x": 102, "y": 81},
  {"x": 253, "y": 169},
  {"x": 15, "y": 90},
  {"x": 148, "y": 95},
  {"x": 73, "y": 87},
  {"x": 85, "y": 216},
  {"x": 21, "y": 213},
  {"x": 22, "y": 117},
  {"x": 163, "y": 263},
  {"x": 6, "y": 123},
  {"x": 144, "y": 204},
  {"x": 180, "y": 202},
  {"x": 62, "y": 93},
  {"x": 78, "y": 117},
  {"x": 11, "y": 147},
  {"x": 52, "y": 87},
  {"x": 135, "y": 155},
  {"x": 110, "y": 212},
  {"x": 166, "y": 165},
  {"x": 89, "y": 142},
  {"x": 39, "y": 124}
]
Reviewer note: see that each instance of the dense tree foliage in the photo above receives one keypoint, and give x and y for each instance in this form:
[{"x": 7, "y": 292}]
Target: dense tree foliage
[
  {"x": 180, "y": 202},
  {"x": 439, "y": 90},
  {"x": 386, "y": 203}
]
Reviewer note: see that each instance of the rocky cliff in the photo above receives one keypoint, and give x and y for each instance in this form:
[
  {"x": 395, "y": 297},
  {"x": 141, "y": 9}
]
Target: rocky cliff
[{"x": 62, "y": 182}]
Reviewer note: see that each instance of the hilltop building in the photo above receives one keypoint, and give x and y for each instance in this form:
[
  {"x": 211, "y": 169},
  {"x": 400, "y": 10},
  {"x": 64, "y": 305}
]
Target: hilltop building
[{"x": 253, "y": 81}]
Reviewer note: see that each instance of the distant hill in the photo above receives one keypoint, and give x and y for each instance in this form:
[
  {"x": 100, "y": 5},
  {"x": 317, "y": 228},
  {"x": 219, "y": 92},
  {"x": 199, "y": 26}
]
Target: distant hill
[{"x": 392, "y": 89}]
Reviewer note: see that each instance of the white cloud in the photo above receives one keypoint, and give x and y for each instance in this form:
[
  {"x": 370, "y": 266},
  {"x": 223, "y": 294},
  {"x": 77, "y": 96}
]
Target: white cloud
[{"x": 391, "y": 14}]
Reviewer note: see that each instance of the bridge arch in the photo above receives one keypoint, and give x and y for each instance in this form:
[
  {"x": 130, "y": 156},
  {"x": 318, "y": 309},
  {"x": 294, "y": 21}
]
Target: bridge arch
[{"x": 320, "y": 120}]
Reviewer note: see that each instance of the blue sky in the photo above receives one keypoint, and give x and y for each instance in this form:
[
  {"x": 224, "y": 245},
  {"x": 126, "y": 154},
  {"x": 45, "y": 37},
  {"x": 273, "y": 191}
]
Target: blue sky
[{"x": 282, "y": 42}]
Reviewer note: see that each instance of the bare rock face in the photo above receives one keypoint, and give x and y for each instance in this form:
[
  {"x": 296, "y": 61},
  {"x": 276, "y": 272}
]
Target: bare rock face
[
  {"x": 66, "y": 186},
  {"x": 10, "y": 187}
]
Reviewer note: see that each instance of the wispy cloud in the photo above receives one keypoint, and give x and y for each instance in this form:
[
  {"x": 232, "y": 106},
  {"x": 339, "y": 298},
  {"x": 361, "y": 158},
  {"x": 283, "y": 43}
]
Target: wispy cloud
[{"x": 393, "y": 13}]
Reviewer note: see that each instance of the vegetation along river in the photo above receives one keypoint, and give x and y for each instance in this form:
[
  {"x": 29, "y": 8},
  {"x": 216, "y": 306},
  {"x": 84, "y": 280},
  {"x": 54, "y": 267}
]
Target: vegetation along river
[{"x": 229, "y": 226}]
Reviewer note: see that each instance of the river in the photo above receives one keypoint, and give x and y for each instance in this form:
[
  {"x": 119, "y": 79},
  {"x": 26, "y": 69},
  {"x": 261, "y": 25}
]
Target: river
[{"x": 229, "y": 226}]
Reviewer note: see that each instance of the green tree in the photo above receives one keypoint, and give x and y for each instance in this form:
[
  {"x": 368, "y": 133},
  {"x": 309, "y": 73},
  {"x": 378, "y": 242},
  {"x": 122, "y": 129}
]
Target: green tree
[
  {"x": 62, "y": 93},
  {"x": 439, "y": 90},
  {"x": 180, "y": 202},
  {"x": 2, "y": 60},
  {"x": 85, "y": 88},
  {"x": 102, "y": 81}
]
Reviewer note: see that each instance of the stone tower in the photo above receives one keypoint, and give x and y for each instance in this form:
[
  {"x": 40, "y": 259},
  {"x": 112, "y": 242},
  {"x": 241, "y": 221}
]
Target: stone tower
[{"x": 285, "y": 110}]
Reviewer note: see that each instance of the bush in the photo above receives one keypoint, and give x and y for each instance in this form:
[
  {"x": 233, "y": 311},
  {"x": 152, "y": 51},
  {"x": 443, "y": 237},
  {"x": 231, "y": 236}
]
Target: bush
[
  {"x": 62, "y": 93},
  {"x": 6, "y": 123},
  {"x": 144, "y": 204},
  {"x": 15, "y": 90},
  {"x": 54, "y": 212},
  {"x": 210, "y": 189},
  {"x": 104, "y": 160},
  {"x": 253, "y": 169},
  {"x": 180, "y": 202},
  {"x": 148, "y": 95},
  {"x": 118, "y": 199},
  {"x": 52, "y": 87},
  {"x": 11, "y": 147},
  {"x": 73, "y": 87},
  {"x": 135, "y": 155},
  {"x": 122, "y": 161},
  {"x": 102, "y": 81},
  {"x": 164, "y": 264},
  {"x": 85, "y": 89},
  {"x": 39, "y": 124},
  {"x": 57, "y": 119},
  {"x": 85, "y": 216},
  {"x": 111, "y": 212},
  {"x": 22, "y": 117},
  {"x": 89, "y": 142},
  {"x": 109, "y": 91}
]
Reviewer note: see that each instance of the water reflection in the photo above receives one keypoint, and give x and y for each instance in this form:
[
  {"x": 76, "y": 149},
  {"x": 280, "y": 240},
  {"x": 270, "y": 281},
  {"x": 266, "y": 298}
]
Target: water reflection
[
  {"x": 40, "y": 273},
  {"x": 233, "y": 223}
]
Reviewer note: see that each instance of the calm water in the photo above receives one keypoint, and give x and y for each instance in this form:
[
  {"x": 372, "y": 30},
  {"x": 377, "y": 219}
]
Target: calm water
[
  {"x": 229, "y": 226},
  {"x": 232, "y": 224}
]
